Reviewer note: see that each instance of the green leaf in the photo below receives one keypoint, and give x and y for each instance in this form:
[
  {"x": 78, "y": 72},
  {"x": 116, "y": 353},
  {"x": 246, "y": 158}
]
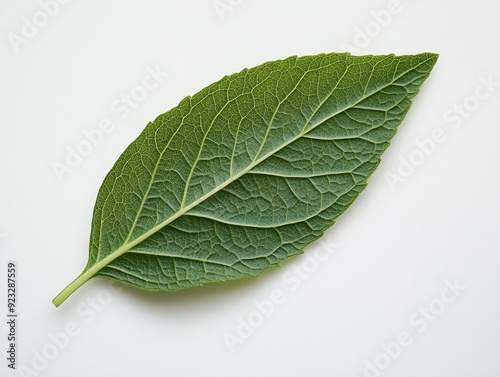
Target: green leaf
[{"x": 243, "y": 175}]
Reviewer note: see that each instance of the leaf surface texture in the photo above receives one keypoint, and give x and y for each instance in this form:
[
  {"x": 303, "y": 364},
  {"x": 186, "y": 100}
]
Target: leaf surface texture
[{"x": 244, "y": 174}]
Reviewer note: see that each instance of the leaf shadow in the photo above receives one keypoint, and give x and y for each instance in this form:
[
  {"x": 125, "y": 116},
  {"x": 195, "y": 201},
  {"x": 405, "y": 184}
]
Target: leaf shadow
[{"x": 200, "y": 295}]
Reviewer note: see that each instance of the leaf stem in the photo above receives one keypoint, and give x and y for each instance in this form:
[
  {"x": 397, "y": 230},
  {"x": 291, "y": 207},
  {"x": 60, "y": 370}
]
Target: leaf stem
[
  {"x": 87, "y": 274},
  {"x": 72, "y": 287}
]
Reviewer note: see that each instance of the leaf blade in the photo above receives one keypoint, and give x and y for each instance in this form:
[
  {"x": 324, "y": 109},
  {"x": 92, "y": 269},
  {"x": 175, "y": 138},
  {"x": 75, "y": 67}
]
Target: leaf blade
[{"x": 234, "y": 156}]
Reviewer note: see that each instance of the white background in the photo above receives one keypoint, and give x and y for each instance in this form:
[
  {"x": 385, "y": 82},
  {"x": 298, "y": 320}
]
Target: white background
[{"x": 389, "y": 256}]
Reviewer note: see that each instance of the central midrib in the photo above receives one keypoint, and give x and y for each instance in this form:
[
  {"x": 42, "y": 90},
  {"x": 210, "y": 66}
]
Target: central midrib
[{"x": 127, "y": 246}]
